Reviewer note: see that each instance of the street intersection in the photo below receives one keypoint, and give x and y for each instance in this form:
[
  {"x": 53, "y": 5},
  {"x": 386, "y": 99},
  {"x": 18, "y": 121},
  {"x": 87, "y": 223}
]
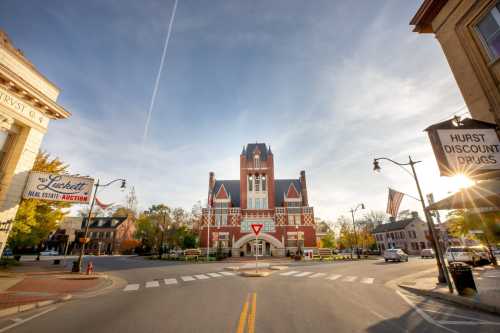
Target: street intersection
[{"x": 161, "y": 296}]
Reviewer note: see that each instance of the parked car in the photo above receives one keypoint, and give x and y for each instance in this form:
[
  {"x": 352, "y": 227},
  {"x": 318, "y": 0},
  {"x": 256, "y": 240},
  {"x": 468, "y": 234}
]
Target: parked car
[
  {"x": 427, "y": 253},
  {"x": 49, "y": 253},
  {"x": 483, "y": 252},
  {"x": 395, "y": 255},
  {"x": 7, "y": 253},
  {"x": 462, "y": 254}
]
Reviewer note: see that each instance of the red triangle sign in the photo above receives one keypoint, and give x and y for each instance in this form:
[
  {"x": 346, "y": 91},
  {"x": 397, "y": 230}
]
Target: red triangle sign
[{"x": 256, "y": 227}]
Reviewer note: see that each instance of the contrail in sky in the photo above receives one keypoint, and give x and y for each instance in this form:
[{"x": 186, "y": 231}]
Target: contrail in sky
[{"x": 157, "y": 82}]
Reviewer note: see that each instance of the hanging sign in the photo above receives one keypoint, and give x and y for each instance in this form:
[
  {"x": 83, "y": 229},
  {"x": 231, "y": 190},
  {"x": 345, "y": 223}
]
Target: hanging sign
[
  {"x": 471, "y": 148},
  {"x": 54, "y": 187}
]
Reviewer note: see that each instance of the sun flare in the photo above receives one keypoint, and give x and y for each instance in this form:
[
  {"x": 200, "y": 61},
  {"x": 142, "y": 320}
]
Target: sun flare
[{"x": 460, "y": 181}]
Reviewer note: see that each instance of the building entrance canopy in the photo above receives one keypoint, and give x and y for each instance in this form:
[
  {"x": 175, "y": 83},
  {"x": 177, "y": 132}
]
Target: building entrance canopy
[{"x": 485, "y": 194}]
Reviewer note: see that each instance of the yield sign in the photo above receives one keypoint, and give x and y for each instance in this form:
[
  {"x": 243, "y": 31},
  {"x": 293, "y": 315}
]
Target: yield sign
[{"x": 256, "y": 227}]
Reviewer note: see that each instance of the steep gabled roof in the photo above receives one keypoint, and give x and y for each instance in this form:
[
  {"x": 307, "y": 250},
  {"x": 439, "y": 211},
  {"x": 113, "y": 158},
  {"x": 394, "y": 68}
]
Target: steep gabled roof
[
  {"x": 222, "y": 193},
  {"x": 292, "y": 192},
  {"x": 232, "y": 188},
  {"x": 281, "y": 187},
  {"x": 103, "y": 222},
  {"x": 251, "y": 148},
  {"x": 398, "y": 225}
]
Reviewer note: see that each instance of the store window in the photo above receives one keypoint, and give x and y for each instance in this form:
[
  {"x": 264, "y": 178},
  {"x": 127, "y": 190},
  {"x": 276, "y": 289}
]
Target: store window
[{"x": 489, "y": 30}]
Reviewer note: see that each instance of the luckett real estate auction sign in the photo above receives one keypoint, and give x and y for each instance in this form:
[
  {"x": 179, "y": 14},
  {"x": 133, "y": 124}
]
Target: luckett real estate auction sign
[
  {"x": 54, "y": 187},
  {"x": 465, "y": 149}
]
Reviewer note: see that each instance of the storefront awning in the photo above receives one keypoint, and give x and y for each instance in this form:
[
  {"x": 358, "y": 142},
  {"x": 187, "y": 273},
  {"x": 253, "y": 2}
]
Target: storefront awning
[{"x": 485, "y": 194}]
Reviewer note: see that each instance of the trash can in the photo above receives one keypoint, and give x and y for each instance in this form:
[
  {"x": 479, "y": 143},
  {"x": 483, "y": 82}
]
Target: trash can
[
  {"x": 463, "y": 279},
  {"x": 76, "y": 267}
]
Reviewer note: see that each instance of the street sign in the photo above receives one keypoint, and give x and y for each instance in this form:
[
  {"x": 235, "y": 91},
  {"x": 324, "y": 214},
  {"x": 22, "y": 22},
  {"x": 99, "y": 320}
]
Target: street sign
[{"x": 256, "y": 227}]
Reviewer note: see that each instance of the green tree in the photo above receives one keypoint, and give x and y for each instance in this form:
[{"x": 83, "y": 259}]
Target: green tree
[
  {"x": 36, "y": 219},
  {"x": 462, "y": 221},
  {"x": 328, "y": 240}
]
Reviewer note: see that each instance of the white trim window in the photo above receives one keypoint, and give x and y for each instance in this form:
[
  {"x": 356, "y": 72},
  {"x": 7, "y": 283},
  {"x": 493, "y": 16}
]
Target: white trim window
[
  {"x": 250, "y": 183},
  {"x": 489, "y": 30},
  {"x": 256, "y": 161},
  {"x": 257, "y": 183},
  {"x": 264, "y": 185},
  {"x": 250, "y": 203}
]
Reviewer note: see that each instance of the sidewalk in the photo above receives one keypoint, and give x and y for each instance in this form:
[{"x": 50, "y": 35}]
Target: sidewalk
[
  {"x": 487, "y": 279},
  {"x": 37, "y": 284}
]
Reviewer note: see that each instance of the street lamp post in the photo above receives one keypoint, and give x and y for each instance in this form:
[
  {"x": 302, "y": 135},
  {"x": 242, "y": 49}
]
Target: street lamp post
[
  {"x": 97, "y": 185},
  {"x": 360, "y": 206},
  {"x": 443, "y": 276}
]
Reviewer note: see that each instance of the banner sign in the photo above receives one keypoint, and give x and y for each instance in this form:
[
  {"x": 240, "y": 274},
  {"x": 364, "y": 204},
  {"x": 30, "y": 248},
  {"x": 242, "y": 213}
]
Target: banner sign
[
  {"x": 469, "y": 149},
  {"x": 54, "y": 187}
]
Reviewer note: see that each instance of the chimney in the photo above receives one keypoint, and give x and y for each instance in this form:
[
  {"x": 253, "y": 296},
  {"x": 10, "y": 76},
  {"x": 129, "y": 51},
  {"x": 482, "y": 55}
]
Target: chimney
[
  {"x": 303, "y": 185},
  {"x": 211, "y": 185}
]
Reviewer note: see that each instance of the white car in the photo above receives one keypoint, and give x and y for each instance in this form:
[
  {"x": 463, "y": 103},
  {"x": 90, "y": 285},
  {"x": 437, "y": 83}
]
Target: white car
[
  {"x": 462, "y": 254},
  {"x": 49, "y": 253},
  {"x": 395, "y": 255}
]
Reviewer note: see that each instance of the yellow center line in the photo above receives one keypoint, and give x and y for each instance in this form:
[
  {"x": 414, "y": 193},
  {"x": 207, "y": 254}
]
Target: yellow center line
[
  {"x": 251, "y": 317},
  {"x": 243, "y": 316}
]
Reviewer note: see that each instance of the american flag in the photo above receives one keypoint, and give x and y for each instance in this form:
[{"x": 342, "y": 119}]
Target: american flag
[{"x": 394, "y": 201}]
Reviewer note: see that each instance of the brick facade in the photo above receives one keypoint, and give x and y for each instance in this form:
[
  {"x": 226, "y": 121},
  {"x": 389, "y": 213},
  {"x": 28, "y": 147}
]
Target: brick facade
[{"x": 257, "y": 197}]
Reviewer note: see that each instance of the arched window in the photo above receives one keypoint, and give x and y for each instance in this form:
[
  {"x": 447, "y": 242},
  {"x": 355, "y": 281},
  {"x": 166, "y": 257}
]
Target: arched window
[
  {"x": 250, "y": 183},
  {"x": 257, "y": 183},
  {"x": 256, "y": 161},
  {"x": 264, "y": 185}
]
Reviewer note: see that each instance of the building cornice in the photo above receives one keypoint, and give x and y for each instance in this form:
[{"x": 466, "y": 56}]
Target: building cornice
[
  {"x": 425, "y": 15},
  {"x": 7, "y": 44},
  {"x": 25, "y": 91}
]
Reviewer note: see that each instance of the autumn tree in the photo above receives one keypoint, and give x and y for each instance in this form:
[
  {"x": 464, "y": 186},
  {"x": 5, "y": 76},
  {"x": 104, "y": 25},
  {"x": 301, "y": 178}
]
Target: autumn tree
[{"x": 36, "y": 219}]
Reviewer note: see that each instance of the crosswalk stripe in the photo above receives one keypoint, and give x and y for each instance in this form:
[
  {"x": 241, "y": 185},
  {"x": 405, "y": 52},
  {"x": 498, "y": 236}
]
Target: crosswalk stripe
[
  {"x": 187, "y": 278},
  {"x": 303, "y": 274},
  {"x": 289, "y": 273},
  {"x": 367, "y": 280},
  {"x": 214, "y": 275},
  {"x": 350, "y": 278},
  {"x": 152, "y": 284},
  {"x": 227, "y": 273},
  {"x": 201, "y": 277},
  {"x": 334, "y": 277},
  {"x": 131, "y": 287},
  {"x": 170, "y": 281},
  {"x": 317, "y": 275}
]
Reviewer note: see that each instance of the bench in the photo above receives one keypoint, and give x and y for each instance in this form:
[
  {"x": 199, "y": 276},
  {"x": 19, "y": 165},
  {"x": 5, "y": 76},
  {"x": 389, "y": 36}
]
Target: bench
[
  {"x": 323, "y": 253},
  {"x": 192, "y": 254}
]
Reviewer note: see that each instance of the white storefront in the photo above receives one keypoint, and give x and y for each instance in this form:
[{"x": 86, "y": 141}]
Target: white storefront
[{"x": 27, "y": 103}]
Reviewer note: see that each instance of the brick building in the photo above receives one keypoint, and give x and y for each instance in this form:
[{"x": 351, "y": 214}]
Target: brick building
[{"x": 281, "y": 205}]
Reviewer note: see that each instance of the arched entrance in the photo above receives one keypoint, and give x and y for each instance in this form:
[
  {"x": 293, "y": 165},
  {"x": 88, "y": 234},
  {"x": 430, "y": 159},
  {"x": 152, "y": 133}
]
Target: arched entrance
[{"x": 265, "y": 244}]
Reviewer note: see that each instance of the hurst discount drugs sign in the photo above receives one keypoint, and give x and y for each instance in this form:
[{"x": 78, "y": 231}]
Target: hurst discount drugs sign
[
  {"x": 466, "y": 150},
  {"x": 54, "y": 187}
]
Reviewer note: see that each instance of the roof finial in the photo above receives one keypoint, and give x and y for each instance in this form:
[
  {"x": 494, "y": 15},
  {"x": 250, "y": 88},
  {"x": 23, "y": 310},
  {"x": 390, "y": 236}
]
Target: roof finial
[
  {"x": 243, "y": 152},
  {"x": 269, "y": 150}
]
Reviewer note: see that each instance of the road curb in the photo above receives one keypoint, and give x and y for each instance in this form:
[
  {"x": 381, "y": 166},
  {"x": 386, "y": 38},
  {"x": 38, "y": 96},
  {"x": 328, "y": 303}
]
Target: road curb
[
  {"x": 468, "y": 302},
  {"x": 35, "y": 305}
]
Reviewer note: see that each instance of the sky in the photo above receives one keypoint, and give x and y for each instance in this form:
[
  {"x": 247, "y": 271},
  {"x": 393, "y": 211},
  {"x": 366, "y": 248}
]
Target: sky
[{"x": 330, "y": 85}]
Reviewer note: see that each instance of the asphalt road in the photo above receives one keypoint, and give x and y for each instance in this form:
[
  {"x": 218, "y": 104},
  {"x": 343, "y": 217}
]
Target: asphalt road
[{"x": 335, "y": 297}]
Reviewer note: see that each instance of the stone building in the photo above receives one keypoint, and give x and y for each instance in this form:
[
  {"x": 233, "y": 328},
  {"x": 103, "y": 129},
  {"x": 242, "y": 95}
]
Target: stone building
[
  {"x": 281, "y": 205},
  {"x": 28, "y": 101},
  {"x": 409, "y": 234},
  {"x": 469, "y": 34}
]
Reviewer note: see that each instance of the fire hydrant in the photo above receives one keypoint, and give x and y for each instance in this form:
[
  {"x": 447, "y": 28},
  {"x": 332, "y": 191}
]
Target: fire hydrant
[{"x": 90, "y": 268}]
